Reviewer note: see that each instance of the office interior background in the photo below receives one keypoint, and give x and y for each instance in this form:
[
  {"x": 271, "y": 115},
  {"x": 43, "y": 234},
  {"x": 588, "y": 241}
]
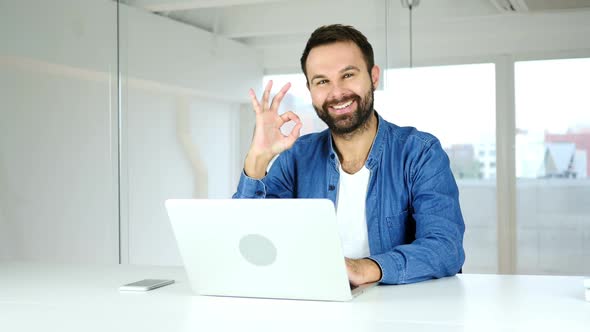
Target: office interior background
[{"x": 108, "y": 108}]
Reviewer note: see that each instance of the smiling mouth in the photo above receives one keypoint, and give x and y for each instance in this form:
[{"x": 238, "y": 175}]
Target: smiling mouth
[{"x": 343, "y": 107}]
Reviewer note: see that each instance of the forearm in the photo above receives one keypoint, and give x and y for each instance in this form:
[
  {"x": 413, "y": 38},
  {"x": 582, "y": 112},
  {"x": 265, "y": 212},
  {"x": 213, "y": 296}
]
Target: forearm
[
  {"x": 276, "y": 184},
  {"x": 256, "y": 164},
  {"x": 425, "y": 258}
]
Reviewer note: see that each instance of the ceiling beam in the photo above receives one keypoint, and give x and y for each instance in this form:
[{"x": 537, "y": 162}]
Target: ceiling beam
[
  {"x": 179, "y": 5},
  {"x": 303, "y": 17}
]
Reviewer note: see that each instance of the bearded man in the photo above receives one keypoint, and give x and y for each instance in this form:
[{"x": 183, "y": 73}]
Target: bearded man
[{"x": 396, "y": 200}]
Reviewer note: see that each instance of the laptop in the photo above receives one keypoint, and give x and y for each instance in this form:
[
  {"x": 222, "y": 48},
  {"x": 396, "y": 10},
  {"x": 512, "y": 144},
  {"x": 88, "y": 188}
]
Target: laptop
[{"x": 265, "y": 248}]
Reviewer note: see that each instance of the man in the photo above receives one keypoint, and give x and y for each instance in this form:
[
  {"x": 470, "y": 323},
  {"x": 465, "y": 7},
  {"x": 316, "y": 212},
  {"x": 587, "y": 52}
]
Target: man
[{"x": 396, "y": 199}]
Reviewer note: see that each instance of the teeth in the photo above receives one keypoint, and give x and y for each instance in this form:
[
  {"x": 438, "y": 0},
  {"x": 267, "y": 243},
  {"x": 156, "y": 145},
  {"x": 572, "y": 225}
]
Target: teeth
[{"x": 339, "y": 107}]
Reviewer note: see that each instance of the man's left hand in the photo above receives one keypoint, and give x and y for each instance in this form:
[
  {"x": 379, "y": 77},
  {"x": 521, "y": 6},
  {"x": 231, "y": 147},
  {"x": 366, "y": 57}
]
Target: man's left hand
[{"x": 362, "y": 271}]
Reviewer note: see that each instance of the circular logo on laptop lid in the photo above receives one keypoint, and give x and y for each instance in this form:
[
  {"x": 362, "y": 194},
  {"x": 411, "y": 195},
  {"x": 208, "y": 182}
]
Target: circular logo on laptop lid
[{"x": 258, "y": 250}]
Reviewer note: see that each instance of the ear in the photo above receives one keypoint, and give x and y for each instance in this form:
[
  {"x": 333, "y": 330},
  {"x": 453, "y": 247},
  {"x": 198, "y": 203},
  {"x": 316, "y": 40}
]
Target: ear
[{"x": 375, "y": 76}]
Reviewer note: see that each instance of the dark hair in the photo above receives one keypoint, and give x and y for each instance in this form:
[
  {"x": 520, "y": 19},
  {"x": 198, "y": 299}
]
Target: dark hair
[{"x": 329, "y": 34}]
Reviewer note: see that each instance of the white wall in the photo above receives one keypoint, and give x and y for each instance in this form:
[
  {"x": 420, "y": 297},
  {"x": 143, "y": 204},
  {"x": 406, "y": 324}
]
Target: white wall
[
  {"x": 181, "y": 125},
  {"x": 57, "y": 193},
  {"x": 58, "y": 134},
  {"x": 7, "y": 242},
  {"x": 161, "y": 165},
  {"x": 185, "y": 59}
]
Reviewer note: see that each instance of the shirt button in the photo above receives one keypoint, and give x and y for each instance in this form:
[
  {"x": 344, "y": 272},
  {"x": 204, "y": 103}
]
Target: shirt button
[
  {"x": 259, "y": 193},
  {"x": 331, "y": 187},
  {"x": 332, "y": 156}
]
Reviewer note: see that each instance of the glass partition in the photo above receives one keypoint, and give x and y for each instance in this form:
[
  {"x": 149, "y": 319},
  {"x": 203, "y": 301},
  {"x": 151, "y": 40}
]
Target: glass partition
[{"x": 58, "y": 142}]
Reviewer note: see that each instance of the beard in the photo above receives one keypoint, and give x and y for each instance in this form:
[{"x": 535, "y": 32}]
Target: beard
[{"x": 347, "y": 123}]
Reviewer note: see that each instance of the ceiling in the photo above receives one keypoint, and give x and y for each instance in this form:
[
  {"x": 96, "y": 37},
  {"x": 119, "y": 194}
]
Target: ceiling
[
  {"x": 267, "y": 25},
  {"x": 270, "y": 22}
]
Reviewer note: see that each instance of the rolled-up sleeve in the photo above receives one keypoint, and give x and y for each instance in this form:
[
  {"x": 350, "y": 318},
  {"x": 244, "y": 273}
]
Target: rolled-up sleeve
[
  {"x": 278, "y": 182},
  {"x": 250, "y": 188}
]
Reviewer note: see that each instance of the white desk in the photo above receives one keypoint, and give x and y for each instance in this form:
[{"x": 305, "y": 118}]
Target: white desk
[{"x": 43, "y": 297}]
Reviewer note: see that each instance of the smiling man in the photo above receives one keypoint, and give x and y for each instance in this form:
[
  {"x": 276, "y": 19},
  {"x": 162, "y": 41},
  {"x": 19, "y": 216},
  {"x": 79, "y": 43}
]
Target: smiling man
[{"x": 396, "y": 199}]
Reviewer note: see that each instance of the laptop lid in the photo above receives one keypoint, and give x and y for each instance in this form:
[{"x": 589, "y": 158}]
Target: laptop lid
[{"x": 270, "y": 248}]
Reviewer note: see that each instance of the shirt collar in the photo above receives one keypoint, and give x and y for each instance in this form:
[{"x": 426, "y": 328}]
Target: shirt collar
[{"x": 376, "y": 147}]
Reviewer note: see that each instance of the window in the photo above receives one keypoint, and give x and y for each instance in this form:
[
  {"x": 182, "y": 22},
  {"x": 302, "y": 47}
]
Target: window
[
  {"x": 456, "y": 104},
  {"x": 552, "y": 154}
]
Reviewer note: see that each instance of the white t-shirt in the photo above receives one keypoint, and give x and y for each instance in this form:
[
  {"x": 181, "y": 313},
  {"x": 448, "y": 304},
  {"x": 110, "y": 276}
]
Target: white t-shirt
[{"x": 350, "y": 213}]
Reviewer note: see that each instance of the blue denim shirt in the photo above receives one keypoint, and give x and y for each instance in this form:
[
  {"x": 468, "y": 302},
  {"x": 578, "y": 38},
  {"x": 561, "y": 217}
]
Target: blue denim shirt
[{"x": 414, "y": 220}]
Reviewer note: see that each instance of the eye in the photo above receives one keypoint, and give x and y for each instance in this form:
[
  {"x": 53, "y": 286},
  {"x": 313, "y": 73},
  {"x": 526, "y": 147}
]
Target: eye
[
  {"x": 348, "y": 75},
  {"x": 321, "y": 82}
]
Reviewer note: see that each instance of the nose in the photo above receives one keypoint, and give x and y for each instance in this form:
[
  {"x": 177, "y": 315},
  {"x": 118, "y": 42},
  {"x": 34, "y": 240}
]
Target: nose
[{"x": 337, "y": 92}]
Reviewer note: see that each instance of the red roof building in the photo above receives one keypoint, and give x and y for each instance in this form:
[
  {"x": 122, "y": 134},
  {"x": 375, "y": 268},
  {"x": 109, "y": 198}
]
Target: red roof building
[{"x": 581, "y": 140}]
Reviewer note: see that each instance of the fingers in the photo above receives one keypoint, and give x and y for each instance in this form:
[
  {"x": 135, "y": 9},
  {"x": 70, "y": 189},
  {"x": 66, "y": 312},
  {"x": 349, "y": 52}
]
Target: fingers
[
  {"x": 276, "y": 101},
  {"x": 296, "y": 131},
  {"x": 289, "y": 116},
  {"x": 266, "y": 95},
  {"x": 254, "y": 100}
]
